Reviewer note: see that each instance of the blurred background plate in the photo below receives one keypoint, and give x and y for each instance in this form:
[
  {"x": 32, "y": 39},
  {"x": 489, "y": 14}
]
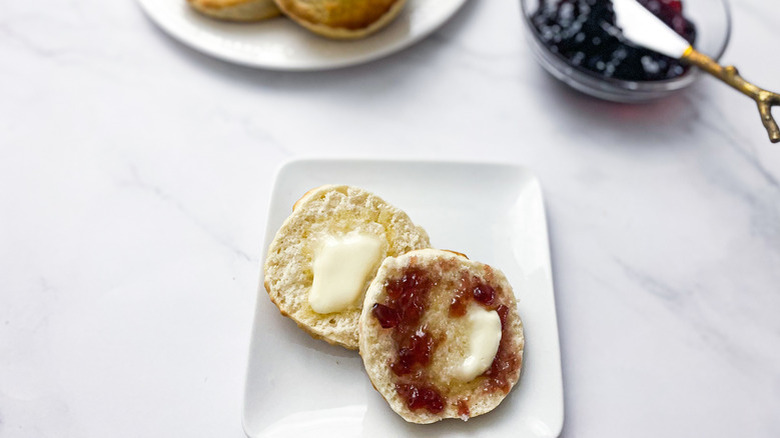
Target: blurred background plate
[{"x": 280, "y": 44}]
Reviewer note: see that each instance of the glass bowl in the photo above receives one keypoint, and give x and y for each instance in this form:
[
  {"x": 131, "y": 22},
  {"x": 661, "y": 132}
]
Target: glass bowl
[{"x": 713, "y": 25}]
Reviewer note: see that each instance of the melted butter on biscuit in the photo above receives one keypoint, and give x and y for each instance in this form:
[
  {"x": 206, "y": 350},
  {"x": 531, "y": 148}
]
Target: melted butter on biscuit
[
  {"x": 484, "y": 332},
  {"x": 341, "y": 267}
]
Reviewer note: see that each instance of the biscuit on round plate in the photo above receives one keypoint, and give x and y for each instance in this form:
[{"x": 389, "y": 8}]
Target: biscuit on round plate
[
  {"x": 326, "y": 253},
  {"x": 342, "y": 19},
  {"x": 440, "y": 336},
  {"x": 236, "y": 10}
]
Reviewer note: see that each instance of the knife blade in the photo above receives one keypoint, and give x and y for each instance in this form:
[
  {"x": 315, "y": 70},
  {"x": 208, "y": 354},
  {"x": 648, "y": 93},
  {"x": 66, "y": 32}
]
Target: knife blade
[{"x": 643, "y": 28}]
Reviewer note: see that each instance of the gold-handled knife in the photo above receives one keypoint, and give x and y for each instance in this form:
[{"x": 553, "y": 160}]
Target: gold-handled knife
[{"x": 641, "y": 27}]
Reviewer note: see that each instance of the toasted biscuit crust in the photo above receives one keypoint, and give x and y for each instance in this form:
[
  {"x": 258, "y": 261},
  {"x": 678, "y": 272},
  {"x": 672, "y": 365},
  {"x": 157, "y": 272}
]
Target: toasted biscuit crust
[
  {"x": 237, "y": 10},
  {"x": 342, "y": 19}
]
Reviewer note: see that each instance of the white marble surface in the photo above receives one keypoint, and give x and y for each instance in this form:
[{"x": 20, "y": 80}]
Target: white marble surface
[{"x": 136, "y": 176}]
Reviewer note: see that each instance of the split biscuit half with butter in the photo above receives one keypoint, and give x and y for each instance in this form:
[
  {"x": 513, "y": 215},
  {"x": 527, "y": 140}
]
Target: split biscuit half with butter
[
  {"x": 326, "y": 253},
  {"x": 237, "y": 10},
  {"x": 342, "y": 19},
  {"x": 440, "y": 336}
]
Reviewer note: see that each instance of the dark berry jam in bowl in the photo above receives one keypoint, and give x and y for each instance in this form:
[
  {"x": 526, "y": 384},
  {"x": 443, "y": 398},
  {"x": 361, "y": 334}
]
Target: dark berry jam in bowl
[{"x": 576, "y": 41}]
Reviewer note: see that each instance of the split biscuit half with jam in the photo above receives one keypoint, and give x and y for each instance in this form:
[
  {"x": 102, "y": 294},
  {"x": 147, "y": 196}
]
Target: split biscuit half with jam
[{"x": 440, "y": 336}]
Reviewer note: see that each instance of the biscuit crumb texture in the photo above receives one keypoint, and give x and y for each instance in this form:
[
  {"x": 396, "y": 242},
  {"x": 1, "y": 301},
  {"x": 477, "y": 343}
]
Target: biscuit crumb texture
[{"x": 322, "y": 213}]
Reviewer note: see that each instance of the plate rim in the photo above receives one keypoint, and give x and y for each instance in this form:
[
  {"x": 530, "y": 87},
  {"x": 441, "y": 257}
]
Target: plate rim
[
  {"x": 557, "y": 428},
  {"x": 180, "y": 35}
]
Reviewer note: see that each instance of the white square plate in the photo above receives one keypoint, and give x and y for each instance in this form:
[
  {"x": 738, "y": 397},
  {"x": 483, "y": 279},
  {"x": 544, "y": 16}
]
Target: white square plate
[{"x": 298, "y": 386}]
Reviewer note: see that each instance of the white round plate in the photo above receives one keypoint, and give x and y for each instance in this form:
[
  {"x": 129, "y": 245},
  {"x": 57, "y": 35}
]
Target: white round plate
[{"x": 280, "y": 44}]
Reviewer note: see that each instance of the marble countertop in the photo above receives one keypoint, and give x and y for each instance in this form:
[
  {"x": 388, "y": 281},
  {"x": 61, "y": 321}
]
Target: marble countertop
[{"x": 136, "y": 176}]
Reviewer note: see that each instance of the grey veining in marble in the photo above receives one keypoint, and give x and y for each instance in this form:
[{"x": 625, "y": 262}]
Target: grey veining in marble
[{"x": 136, "y": 174}]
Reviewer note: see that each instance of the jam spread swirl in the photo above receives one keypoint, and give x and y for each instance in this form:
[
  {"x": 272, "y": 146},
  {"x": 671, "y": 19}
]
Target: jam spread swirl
[
  {"x": 415, "y": 352},
  {"x": 463, "y": 408},
  {"x": 421, "y": 396},
  {"x": 505, "y": 364}
]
